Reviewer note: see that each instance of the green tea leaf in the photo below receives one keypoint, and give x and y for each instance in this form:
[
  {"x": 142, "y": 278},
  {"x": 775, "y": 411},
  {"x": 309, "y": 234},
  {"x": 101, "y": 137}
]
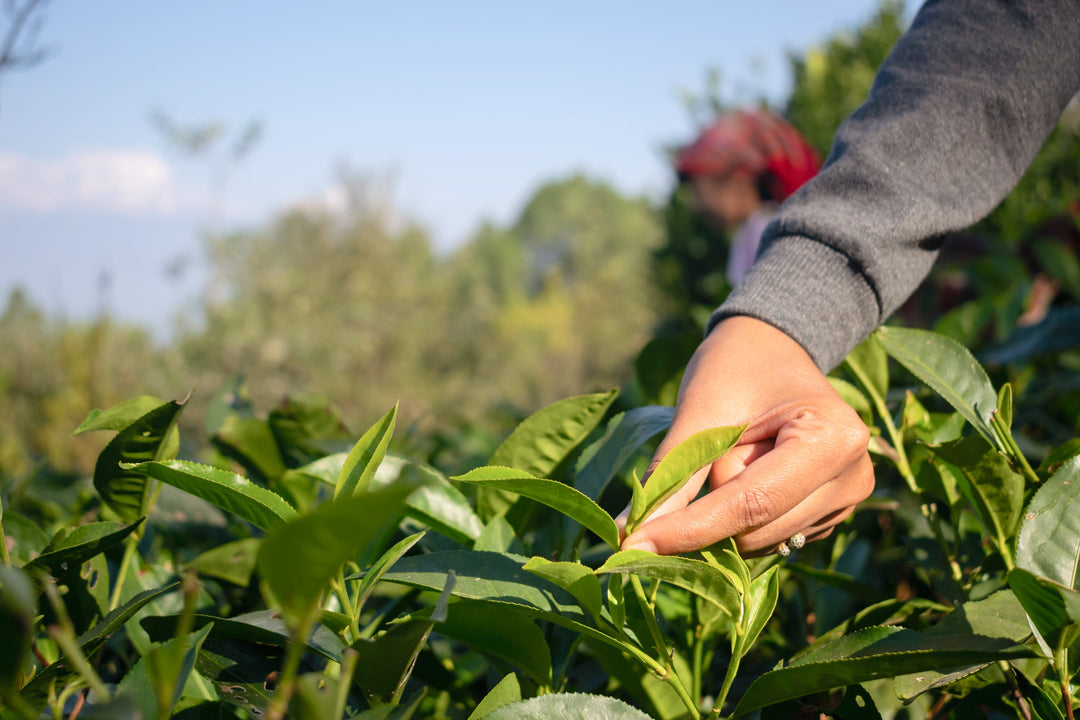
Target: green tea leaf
[
  {"x": 1042, "y": 600},
  {"x": 151, "y": 437},
  {"x": 677, "y": 466},
  {"x": 1048, "y": 544},
  {"x": 624, "y": 436},
  {"x": 563, "y": 498},
  {"x": 761, "y": 602},
  {"x": 18, "y": 607},
  {"x": 498, "y": 536},
  {"x": 442, "y": 507},
  {"x": 575, "y": 578},
  {"x": 870, "y": 654},
  {"x": 70, "y": 549},
  {"x": 1005, "y": 405},
  {"x": 250, "y": 442},
  {"x": 364, "y": 459},
  {"x": 264, "y": 627},
  {"x": 139, "y": 682},
  {"x": 231, "y": 492},
  {"x": 232, "y": 562},
  {"x": 699, "y": 578},
  {"x": 324, "y": 470},
  {"x": 950, "y": 369},
  {"x": 36, "y": 691},
  {"x": 994, "y": 489},
  {"x": 543, "y": 440},
  {"x": 495, "y": 577},
  {"x": 616, "y": 599},
  {"x": 854, "y": 397},
  {"x": 568, "y": 706},
  {"x": 298, "y": 560},
  {"x": 384, "y": 563},
  {"x": 999, "y": 615},
  {"x": 507, "y": 690},
  {"x": 1043, "y": 707},
  {"x": 502, "y": 631},
  {"x": 118, "y": 416}
]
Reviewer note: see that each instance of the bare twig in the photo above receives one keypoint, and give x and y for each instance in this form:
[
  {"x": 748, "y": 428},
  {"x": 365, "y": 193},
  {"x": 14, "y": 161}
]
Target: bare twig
[{"x": 11, "y": 56}]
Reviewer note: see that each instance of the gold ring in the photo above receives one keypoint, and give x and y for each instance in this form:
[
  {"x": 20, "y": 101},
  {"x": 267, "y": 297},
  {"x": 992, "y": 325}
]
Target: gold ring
[
  {"x": 797, "y": 541},
  {"x": 783, "y": 549}
]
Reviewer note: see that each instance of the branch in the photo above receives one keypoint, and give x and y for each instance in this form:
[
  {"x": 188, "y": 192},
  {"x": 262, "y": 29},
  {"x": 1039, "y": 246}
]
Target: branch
[{"x": 10, "y": 58}]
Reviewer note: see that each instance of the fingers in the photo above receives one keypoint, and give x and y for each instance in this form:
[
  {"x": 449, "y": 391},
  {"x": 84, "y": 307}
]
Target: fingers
[{"x": 807, "y": 482}]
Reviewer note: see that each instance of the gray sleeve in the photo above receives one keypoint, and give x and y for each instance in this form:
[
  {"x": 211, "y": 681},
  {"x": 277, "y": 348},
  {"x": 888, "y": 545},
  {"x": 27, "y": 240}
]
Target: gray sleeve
[{"x": 956, "y": 114}]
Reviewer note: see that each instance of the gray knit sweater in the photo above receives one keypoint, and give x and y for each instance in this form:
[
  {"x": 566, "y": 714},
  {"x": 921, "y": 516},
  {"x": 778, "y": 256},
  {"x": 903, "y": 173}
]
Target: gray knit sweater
[{"x": 956, "y": 114}]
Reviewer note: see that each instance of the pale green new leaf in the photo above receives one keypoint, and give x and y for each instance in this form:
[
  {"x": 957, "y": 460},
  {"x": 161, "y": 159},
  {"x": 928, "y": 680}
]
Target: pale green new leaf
[
  {"x": 362, "y": 462},
  {"x": 563, "y": 498},
  {"x": 575, "y": 578},
  {"x": 699, "y": 578},
  {"x": 507, "y": 690},
  {"x": 231, "y": 492},
  {"x": 676, "y": 468},
  {"x": 118, "y": 416}
]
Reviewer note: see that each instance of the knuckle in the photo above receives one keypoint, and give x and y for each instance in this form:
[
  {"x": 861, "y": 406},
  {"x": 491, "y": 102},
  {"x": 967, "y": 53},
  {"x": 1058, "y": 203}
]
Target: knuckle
[{"x": 755, "y": 507}]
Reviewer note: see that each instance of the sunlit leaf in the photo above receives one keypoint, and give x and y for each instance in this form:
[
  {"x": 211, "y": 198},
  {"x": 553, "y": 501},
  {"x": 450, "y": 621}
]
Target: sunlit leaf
[
  {"x": 677, "y": 466},
  {"x": 118, "y": 416},
  {"x": 250, "y": 442},
  {"x": 507, "y": 690},
  {"x": 543, "y": 440},
  {"x": 950, "y": 369},
  {"x": 568, "y": 706},
  {"x": 496, "y": 577},
  {"x": 698, "y": 577},
  {"x": 760, "y": 601},
  {"x": 1048, "y": 544},
  {"x": 150, "y": 437},
  {"x": 231, "y": 492},
  {"x": 140, "y": 683},
  {"x": 575, "y": 578},
  {"x": 71, "y": 548},
  {"x": 868, "y": 361},
  {"x": 563, "y": 498},
  {"x": 384, "y": 563},
  {"x": 364, "y": 459}
]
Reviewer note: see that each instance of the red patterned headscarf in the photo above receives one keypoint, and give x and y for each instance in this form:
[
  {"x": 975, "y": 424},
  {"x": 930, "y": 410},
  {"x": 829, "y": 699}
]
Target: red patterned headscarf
[{"x": 754, "y": 141}]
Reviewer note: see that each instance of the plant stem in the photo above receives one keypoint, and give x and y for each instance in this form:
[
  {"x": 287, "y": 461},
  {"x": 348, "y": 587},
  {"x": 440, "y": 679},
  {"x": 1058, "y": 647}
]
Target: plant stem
[
  {"x": 902, "y": 464},
  {"x": 729, "y": 678},
  {"x": 670, "y": 675},
  {"x": 73, "y": 655},
  {"x": 279, "y": 704},
  {"x": 345, "y": 676},
  {"x": 1061, "y": 660},
  {"x": 1006, "y": 436},
  {"x": 14, "y": 701},
  {"x": 3, "y": 538},
  {"x": 929, "y": 511},
  {"x": 130, "y": 546},
  {"x": 650, "y": 620},
  {"x": 341, "y": 592}
]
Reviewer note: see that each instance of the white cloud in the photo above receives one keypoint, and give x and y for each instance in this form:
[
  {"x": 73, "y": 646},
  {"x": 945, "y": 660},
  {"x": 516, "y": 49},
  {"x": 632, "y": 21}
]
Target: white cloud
[{"x": 114, "y": 181}]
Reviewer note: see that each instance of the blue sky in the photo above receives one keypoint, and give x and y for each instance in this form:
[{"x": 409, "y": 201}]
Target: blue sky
[{"x": 459, "y": 110}]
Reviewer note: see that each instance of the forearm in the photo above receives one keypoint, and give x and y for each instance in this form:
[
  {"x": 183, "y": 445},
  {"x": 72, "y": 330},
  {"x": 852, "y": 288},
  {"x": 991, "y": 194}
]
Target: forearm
[{"x": 955, "y": 116}]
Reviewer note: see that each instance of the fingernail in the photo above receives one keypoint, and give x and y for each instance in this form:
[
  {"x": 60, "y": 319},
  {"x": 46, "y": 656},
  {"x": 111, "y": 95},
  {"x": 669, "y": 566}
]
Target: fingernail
[{"x": 642, "y": 545}]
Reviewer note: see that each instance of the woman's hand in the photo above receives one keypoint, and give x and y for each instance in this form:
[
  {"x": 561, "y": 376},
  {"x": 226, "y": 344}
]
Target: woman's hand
[{"x": 800, "y": 467}]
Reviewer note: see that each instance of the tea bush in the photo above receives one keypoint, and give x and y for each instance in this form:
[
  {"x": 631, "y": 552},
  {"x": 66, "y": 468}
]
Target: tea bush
[{"x": 304, "y": 574}]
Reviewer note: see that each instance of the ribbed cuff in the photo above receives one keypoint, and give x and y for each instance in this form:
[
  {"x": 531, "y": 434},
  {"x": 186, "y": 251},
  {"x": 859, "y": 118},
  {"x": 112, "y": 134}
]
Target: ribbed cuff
[{"x": 812, "y": 293}]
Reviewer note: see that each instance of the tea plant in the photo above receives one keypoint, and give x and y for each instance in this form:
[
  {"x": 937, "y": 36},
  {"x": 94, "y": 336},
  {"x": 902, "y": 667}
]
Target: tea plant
[{"x": 331, "y": 579}]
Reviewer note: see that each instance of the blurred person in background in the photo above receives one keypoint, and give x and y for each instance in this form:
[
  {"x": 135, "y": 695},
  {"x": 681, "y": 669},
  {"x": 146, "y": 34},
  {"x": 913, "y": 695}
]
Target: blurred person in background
[{"x": 741, "y": 168}]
